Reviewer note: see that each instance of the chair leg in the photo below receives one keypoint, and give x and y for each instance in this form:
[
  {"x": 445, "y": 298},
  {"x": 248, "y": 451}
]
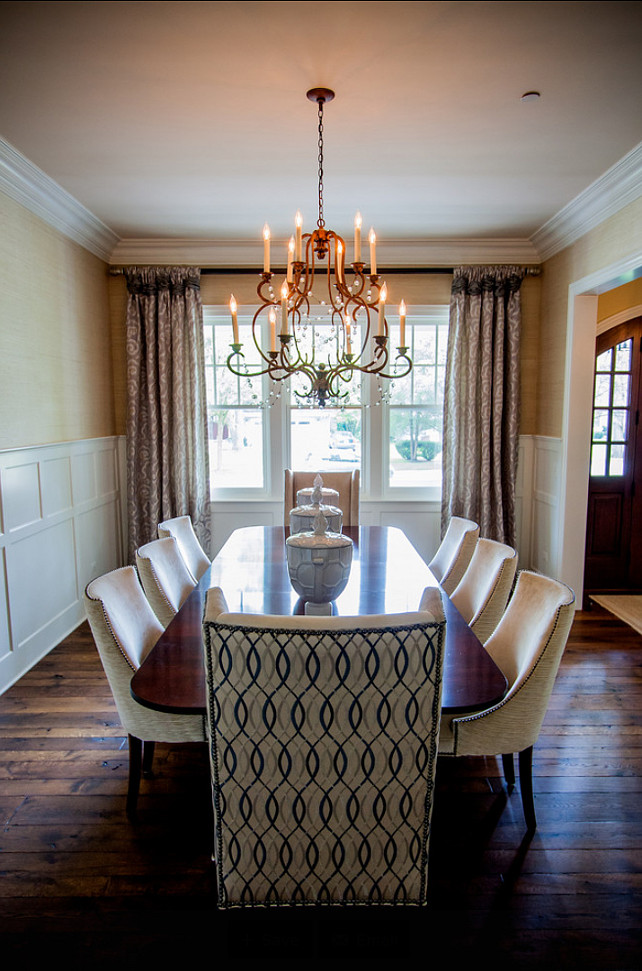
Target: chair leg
[
  {"x": 148, "y": 756},
  {"x": 135, "y": 763},
  {"x": 526, "y": 785},
  {"x": 509, "y": 769}
]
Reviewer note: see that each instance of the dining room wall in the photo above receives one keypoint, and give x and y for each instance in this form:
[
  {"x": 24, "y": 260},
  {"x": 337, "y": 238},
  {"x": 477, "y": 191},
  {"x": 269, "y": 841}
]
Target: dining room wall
[
  {"x": 55, "y": 339},
  {"x": 61, "y": 466},
  {"x": 572, "y": 280}
]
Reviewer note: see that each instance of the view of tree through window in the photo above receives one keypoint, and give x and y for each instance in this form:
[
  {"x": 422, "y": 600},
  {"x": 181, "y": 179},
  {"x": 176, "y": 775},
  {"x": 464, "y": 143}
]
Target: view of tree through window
[
  {"x": 235, "y": 418},
  {"x": 416, "y": 405}
]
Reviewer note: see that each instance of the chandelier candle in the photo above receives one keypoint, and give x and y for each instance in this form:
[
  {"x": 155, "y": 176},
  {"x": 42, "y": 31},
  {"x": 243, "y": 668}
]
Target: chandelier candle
[
  {"x": 382, "y": 310},
  {"x": 284, "y": 310},
  {"x": 289, "y": 276},
  {"x": 298, "y": 243},
  {"x": 347, "y": 344},
  {"x": 372, "y": 237},
  {"x": 235, "y": 322},
  {"x": 357, "y": 238}
]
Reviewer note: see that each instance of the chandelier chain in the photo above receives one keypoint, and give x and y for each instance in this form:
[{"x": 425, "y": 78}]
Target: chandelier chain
[{"x": 321, "y": 220}]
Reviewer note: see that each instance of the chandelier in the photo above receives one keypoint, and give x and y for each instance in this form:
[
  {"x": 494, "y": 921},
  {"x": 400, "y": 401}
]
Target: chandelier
[{"x": 359, "y": 340}]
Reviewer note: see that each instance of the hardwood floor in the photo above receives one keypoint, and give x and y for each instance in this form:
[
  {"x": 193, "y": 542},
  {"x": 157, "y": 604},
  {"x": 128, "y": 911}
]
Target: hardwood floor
[{"x": 79, "y": 882}]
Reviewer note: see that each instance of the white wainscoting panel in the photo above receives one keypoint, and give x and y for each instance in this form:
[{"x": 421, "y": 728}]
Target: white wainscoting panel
[
  {"x": 61, "y": 522},
  {"x": 545, "y": 505}
]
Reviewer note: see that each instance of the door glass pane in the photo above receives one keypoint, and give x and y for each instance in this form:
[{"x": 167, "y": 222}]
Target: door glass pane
[
  {"x": 616, "y": 460},
  {"x": 598, "y": 459},
  {"x": 621, "y": 390},
  {"x": 623, "y": 356},
  {"x": 600, "y": 425},
  {"x": 602, "y": 390},
  {"x": 611, "y": 409},
  {"x": 619, "y": 425}
]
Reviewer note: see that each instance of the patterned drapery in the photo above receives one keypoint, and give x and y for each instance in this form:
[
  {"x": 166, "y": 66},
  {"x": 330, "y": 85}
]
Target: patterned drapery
[
  {"x": 481, "y": 399},
  {"x": 167, "y": 447}
]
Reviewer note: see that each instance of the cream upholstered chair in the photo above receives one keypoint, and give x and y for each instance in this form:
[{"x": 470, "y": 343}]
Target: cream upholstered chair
[
  {"x": 323, "y": 746},
  {"x": 527, "y": 645},
  {"x": 449, "y": 563},
  {"x": 166, "y": 580},
  {"x": 483, "y": 592},
  {"x": 125, "y": 630},
  {"x": 193, "y": 553},
  {"x": 345, "y": 483}
]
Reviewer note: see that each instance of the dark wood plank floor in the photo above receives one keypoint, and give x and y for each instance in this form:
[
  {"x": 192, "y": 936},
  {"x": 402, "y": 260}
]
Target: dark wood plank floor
[{"x": 83, "y": 884}]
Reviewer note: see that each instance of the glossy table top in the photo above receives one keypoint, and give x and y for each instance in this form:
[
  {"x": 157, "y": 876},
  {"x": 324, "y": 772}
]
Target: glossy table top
[{"x": 387, "y": 576}]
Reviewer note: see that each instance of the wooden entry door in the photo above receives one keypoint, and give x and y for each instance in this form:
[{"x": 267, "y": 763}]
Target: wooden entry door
[{"x": 614, "y": 522}]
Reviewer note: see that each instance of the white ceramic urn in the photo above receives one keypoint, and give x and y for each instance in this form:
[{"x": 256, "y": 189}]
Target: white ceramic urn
[{"x": 319, "y": 562}]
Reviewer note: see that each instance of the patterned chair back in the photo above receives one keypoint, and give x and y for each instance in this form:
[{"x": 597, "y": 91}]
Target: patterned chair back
[{"x": 323, "y": 744}]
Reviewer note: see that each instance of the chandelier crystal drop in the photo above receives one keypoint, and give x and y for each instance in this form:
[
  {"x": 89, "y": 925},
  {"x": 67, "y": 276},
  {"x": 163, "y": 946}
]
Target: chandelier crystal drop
[{"x": 358, "y": 340}]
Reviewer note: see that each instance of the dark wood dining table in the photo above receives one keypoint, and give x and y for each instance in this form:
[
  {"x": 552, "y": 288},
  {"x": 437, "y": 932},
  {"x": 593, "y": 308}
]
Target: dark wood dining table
[{"x": 387, "y": 576}]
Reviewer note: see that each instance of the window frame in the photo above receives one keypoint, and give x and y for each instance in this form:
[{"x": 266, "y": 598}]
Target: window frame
[
  {"x": 439, "y": 314},
  {"x": 375, "y": 427}
]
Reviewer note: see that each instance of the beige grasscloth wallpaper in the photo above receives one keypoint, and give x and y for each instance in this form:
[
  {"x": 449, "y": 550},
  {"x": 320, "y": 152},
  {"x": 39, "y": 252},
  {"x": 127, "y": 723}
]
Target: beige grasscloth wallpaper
[
  {"x": 55, "y": 342},
  {"x": 613, "y": 240}
]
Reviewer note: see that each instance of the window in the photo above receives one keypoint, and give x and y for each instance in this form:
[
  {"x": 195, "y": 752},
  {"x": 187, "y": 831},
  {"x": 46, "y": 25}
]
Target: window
[
  {"x": 415, "y": 409},
  {"x": 611, "y": 410},
  {"x": 391, "y": 430},
  {"x": 234, "y": 413},
  {"x": 325, "y": 438}
]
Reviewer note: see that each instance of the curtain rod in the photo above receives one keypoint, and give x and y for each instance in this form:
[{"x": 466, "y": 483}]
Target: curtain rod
[{"x": 227, "y": 271}]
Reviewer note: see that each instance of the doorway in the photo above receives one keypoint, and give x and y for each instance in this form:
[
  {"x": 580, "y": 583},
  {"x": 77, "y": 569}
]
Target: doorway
[{"x": 613, "y": 553}]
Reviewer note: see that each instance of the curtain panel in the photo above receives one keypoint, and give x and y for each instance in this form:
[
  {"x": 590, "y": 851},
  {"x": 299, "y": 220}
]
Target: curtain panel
[
  {"x": 481, "y": 400},
  {"x": 167, "y": 446}
]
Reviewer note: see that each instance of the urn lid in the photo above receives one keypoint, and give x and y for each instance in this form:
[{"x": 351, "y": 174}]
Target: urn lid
[
  {"x": 319, "y": 536},
  {"x": 316, "y": 494},
  {"x": 312, "y": 510}
]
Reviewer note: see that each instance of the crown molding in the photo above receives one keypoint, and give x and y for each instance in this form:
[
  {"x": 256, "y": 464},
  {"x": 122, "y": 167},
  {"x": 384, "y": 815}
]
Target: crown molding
[
  {"x": 28, "y": 185},
  {"x": 235, "y": 253},
  {"x": 620, "y": 185}
]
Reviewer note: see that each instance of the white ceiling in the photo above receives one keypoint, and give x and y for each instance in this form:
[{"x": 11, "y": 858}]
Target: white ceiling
[{"x": 190, "y": 120}]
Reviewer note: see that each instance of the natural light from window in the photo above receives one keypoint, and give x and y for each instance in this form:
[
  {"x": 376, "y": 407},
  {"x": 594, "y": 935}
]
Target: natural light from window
[{"x": 405, "y": 421}]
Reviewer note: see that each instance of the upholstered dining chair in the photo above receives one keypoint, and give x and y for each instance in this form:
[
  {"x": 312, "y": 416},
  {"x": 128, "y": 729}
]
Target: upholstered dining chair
[
  {"x": 182, "y": 529},
  {"x": 484, "y": 590},
  {"x": 345, "y": 483},
  {"x": 527, "y": 645},
  {"x": 125, "y": 629},
  {"x": 449, "y": 563},
  {"x": 322, "y": 747},
  {"x": 164, "y": 575}
]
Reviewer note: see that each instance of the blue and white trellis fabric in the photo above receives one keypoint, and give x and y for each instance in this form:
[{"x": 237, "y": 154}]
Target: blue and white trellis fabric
[{"x": 323, "y": 744}]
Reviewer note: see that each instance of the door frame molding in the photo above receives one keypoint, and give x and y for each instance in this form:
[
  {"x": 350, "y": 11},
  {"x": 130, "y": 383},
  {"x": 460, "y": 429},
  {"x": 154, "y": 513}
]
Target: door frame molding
[{"x": 581, "y": 331}]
